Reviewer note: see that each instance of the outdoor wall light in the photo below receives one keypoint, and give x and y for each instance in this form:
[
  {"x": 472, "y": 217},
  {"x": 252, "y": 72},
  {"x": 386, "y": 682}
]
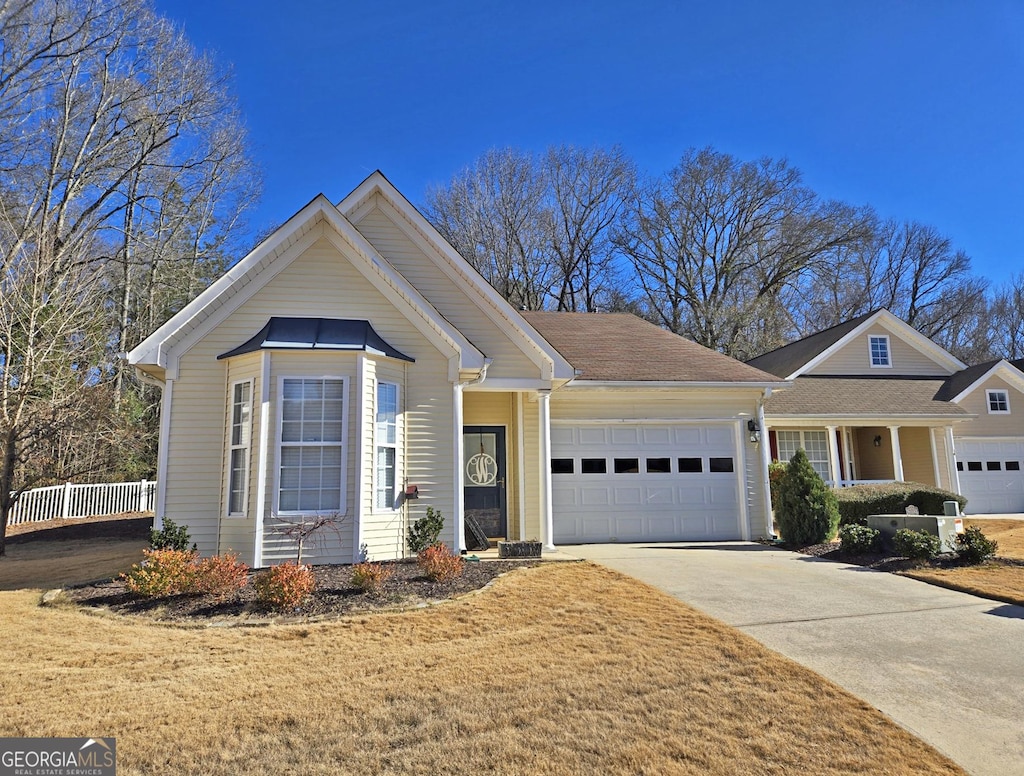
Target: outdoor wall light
[
  {"x": 878, "y": 440},
  {"x": 755, "y": 432}
]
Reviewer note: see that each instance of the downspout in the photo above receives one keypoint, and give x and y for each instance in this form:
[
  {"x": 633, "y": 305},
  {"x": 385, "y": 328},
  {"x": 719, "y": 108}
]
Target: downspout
[
  {"x": 480, "y": 377},
  {"x": 766, "y": 459}
]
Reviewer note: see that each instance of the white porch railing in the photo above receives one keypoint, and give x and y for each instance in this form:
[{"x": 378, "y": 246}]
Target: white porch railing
[
  {"x": 70, "y": 500},
  {"x": 848, "y": 483}
]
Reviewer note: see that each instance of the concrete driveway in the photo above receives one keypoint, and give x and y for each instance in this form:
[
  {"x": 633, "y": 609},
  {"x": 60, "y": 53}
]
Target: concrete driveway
[{"x": 947, "y": 666}]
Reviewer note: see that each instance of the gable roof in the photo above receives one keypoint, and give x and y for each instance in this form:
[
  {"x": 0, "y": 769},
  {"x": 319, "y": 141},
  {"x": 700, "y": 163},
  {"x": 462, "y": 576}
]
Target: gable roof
[
  {"x": 964, "y": 382},
  {"x": 619, "y": 347},
  {"x": 459, "y": 270},
  {"x": 262, "y": 264},
  {"x": 804, "y": 354},
  {"x": 864, "y": 398}
]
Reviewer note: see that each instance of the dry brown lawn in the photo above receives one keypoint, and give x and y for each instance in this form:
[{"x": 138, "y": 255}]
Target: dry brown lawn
[
  {"x": 1009, "y": 534},
  {"x": 39, "y": 555},
  {"x": 1000, "y": 582},
  {"x": 565, "y": 668}
]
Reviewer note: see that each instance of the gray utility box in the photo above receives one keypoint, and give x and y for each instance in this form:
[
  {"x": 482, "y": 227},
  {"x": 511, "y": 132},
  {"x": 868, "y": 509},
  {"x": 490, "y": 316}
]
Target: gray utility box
[{"x": 946, "y": 528}]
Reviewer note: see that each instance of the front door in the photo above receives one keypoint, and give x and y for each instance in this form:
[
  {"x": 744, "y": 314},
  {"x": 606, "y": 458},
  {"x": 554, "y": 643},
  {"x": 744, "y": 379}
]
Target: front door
[{"x": 483, "y": 470}]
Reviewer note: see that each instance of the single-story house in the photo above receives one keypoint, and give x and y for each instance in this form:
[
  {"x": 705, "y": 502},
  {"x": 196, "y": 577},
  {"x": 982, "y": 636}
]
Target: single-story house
[
  {"x": 873, "y": 399},
  {"x": 355, "y": 366}
]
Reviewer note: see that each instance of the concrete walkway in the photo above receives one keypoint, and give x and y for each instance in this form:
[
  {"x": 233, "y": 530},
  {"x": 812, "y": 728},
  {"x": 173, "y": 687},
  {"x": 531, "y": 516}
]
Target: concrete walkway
[{"x": 947, "y": 666}]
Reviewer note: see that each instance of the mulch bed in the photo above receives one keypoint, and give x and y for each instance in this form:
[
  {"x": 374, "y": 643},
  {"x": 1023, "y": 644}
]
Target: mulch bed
[
  {"x": 334, "y": 595},
  {"x": 891, "y": 563}
]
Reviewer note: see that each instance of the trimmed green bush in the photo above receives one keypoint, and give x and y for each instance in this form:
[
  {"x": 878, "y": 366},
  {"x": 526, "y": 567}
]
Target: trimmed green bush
[
  {"x": 916, "y": 545},
  {"x": 806, "y": 511},
  {"x": 972, "y": 546},
  {"x": 170, "y": 537},
  {"x": 425, "y": 531},
  {"x": 859, "y": 539},
  {"x": 857, "y": 502}
]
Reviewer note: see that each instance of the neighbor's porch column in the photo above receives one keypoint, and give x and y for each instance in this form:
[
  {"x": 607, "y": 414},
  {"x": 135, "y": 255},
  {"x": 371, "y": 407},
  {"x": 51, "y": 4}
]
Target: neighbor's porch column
[
  {"x": 897, "y": 458},
  {"x": 951, "y": 459},
  {"x": 546, "y": 518},
  {"x": 833, "y": 457}
]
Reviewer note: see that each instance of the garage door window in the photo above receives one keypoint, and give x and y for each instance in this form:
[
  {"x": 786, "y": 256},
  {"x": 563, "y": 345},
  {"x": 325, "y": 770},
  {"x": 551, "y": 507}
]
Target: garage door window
[
  {"x": 594, "y": 466},
  {"x": 627, "y": 465},
  {"x": 720, "y": 465},
  {"x": 659, "y": 465},
  {"x": 691, "y": 466},
  {"x": 1013, "y": 466},
  {"x": 562, "y": 465}
]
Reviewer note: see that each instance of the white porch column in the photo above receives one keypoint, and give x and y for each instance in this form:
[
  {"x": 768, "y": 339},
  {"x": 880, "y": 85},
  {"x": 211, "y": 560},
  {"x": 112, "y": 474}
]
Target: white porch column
[
  {"x": 766, "y": 461},
  {"x": 951, "y": 459},
  {"x": 546, "y": 518},
  {"x": 897, "y": 457},
  {"x": 833, "y": 457},
  {"x": 935, "y": 458},
  {"x": 459, "y": 521}
]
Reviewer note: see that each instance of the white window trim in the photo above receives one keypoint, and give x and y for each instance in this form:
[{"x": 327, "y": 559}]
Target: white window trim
[
  {"x": 803, "y": 445},
  {"x": 988, "y": 400},
  {"x": 230, "y": 448},
  {"x": 275, "y": 509},
  {"x": 888, "y": 351},
  {"x": 394, "y": 507}
]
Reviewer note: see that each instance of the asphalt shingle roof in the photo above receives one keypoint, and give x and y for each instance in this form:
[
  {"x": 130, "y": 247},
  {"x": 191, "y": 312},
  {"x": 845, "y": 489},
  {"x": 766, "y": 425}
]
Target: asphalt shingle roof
[
  {"x": 865, "y": 397},
  {"x": 622, "y": 347}
]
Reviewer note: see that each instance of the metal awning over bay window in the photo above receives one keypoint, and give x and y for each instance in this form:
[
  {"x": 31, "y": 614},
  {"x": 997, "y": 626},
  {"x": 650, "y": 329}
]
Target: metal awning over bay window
[{"x": 317, "y": 334}]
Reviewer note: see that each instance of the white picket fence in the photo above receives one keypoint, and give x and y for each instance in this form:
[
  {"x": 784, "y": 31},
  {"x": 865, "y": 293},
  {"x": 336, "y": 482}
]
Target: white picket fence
[{"x": 70, "y": 500}]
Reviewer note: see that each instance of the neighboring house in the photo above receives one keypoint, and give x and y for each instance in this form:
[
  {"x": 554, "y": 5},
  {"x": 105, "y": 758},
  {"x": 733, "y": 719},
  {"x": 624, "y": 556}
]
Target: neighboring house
[
  {"x": 354, "y": 365},
  {"x": 875, "y": 400}
]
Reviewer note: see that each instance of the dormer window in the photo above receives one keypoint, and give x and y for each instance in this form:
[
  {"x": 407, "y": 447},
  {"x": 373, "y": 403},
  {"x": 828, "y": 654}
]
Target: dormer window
[
  {"x": 998, "y": 402},
  {"x": 878, "y": 346}
]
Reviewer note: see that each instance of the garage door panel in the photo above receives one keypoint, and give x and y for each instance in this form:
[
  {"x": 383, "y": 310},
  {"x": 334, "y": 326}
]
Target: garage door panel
[
  {"x": 656, "y": 436},
  {"x": 628, "y": 497},
  {"x": 658, "y": 493}
]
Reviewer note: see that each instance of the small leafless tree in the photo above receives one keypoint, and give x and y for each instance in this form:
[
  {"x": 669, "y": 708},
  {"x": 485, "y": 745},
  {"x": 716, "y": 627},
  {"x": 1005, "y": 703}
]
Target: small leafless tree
[{"x": 310, "y": 528}]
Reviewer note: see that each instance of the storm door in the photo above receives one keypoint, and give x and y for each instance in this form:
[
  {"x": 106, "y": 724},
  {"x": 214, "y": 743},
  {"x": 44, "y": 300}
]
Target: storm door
[{"x": 483, "y": 471}]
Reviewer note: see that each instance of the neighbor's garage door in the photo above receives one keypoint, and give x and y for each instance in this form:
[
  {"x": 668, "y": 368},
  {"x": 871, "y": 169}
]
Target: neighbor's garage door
[
  {"x": 630, "y": 483},
  {"x": 990, "y": 474}
]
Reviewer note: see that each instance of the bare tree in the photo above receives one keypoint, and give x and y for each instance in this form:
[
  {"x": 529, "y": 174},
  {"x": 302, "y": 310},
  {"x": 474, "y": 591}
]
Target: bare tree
[
  {"x": 716, "y": 241},
  {"x": 103, "y": 105},
  {"x": 491, "y": 213},
  {"x": 587, "y": 192},
  {"x": 1006, "y": 316}
]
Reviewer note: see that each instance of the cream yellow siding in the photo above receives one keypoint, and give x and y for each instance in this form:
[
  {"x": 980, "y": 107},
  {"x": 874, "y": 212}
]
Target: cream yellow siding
[
  {"x": 384, "y": 530},
  {"x": 916, "y": 452},
  {"x": 992, "y": 424},
  {"x": 853, "y": 359},
  {"x": 236, "y": 532},
  {"x": 873, "y": 463},
  {"x": 450, "y": 298},
  {"x": 310, "y": 285}
]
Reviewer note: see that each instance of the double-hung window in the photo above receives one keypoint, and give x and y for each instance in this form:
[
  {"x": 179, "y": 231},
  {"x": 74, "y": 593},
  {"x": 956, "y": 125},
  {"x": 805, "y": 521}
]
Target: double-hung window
[
  {"x": 878, "y": 346},
  {"x": 815, "y": 445},
  {"x": 238, "y": 446},
  {"x": 998, "y": 402},
  {"x": 312, "y": 445},
  {"x": 386, "y": 435}
]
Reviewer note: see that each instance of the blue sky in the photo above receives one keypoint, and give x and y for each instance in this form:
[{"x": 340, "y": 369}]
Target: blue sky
[{"x": 915, "y": 107}]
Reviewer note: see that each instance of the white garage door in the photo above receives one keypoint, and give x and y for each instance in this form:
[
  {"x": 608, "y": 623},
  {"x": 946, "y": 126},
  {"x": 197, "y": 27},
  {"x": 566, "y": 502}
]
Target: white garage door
[
  {"x": 990, "y": 474},
  {"x": 630, "y": 483}
]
